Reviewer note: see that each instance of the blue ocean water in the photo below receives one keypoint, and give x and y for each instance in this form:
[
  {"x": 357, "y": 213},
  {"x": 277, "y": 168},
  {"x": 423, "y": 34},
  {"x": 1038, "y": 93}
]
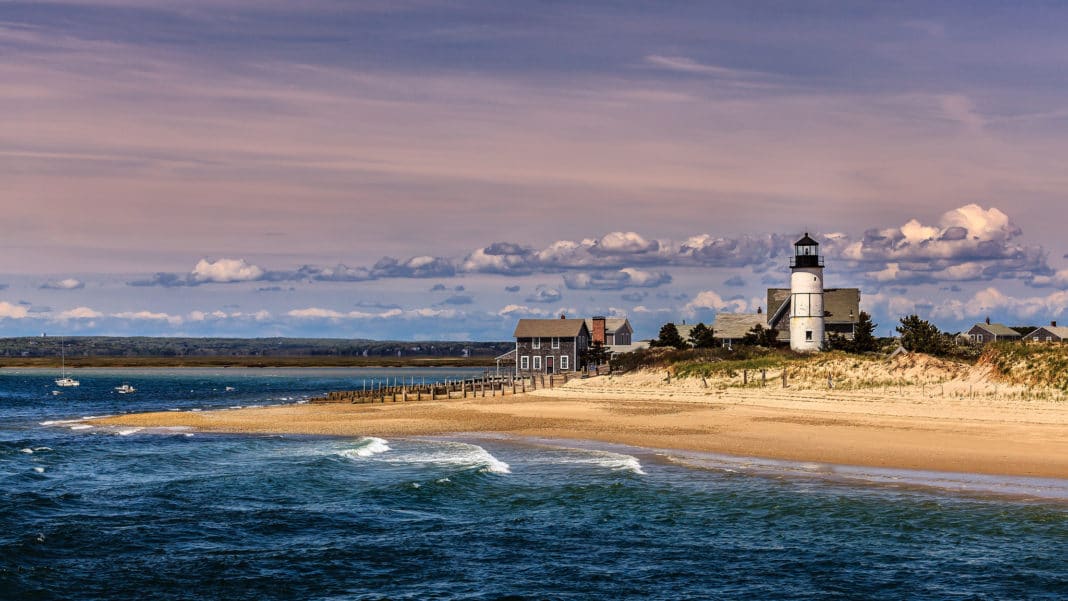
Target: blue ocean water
[{"x": 122, "y": 513}]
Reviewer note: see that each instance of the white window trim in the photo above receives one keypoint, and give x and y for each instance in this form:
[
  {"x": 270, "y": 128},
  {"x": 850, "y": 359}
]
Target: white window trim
[
  {"x": 564, "y": 363},
  {"x": 537, "y": 363},
  {"x": 524, "y": 363},
  {"x": 554, "y": 342},
  {"x": 535, "y": 343}
]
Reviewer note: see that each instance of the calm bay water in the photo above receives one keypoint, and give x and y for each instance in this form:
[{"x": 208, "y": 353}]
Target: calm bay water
[{"x": 93, "y": 513}]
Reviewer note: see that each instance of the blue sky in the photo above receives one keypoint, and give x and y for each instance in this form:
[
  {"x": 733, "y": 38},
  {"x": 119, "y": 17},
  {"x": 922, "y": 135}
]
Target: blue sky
[{"x": 439, "y": 169}]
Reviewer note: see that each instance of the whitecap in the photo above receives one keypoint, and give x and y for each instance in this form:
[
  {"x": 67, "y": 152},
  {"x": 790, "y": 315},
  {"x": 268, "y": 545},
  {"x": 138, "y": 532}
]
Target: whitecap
[
  {"x": 128, "y": 431},
  {"x": 617, "y": 462},
  {"x": 39, "y": 470},
  {"x": 367, "y": 447},
  {"x": 80, "y": 427},
  {"x": 28, "y": 451},
  {"x": 39, "y": 449},
  {"x": 457, "y": 454}
]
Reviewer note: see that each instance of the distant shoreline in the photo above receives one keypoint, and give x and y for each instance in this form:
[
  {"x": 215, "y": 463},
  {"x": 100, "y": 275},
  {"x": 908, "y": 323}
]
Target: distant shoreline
[{"x": 247, "y": 362}]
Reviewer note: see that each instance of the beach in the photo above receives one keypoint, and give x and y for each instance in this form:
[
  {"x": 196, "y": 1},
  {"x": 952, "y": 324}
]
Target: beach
[{"x": 964, "y": 425}]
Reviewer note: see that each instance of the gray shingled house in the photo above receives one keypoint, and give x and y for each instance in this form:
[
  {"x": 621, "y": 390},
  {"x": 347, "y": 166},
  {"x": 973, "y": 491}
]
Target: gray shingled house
[
  {"x": 549, "y": 346},
  {"x": 730, "y": 328},
  {"x": 841, "y": 311},
  {"x": 985, "y": 333},
  {"x": 610, "y": 331},
  {"x": 1050, "y": 333}
]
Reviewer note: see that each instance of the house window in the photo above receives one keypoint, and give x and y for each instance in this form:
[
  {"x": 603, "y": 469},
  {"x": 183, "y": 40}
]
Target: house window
[
  {"x": 555, "y": 342},
  {"x": 1049, "y": 338},
  {"x": 524, "y": 363},
  {"x": 535, "y": 343},
  {"x": 537, "y": 362},
  {"x": 808, "y": 335},
  {"x": 978, "y": 337},
  {"x": 563, "y": 362},
  {"x": 610, "y": 339}
]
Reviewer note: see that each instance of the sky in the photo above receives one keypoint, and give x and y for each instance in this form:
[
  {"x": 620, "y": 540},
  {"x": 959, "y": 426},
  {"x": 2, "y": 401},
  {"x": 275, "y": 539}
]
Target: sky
[{"x": 422, "y": 169}]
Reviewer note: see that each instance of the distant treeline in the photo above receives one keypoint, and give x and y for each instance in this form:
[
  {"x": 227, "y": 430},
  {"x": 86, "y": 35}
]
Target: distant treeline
[{"x": 114, "y": 346}]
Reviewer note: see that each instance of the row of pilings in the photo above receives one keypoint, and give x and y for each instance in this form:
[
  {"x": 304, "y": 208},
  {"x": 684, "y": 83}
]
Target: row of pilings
[{"x": 402, "y": 390}]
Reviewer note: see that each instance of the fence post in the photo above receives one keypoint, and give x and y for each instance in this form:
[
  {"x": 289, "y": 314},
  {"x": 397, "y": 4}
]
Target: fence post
[
  {"x": 784, "y": 377},
  {"x": 763, "y": 378}
]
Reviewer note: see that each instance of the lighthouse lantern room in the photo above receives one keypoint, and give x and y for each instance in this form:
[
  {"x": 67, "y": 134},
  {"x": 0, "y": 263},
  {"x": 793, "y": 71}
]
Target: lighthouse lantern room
[{"x": 806, "y": 296}]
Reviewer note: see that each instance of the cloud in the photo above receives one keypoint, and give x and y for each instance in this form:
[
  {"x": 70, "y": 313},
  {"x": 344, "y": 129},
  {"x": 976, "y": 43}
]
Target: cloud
[
  {"x": 416, "y": 267},
  {"x": 735, "y": 282},
  {"x": 226, "y": 270},
  {"x": 634, "y": 297},
  {"x": 79, "y": 313},
  {"x": 438, "y": 288},
  {"x": 511, "y": 288},
  {"x": 9, "y": 311},
  {"x": 320, "y": 313},
  {"x": 544, "y": 294},
  {"x": 513, "y": 310},
  {"x": 627, "y": 277},
  {"x": 148, "y": 316},
  {"x": 65, "y": 284},
  {"x": 710, "y": 299},
  {"x": 3, "y": 286},
  {"x": 458, "y": 299}
]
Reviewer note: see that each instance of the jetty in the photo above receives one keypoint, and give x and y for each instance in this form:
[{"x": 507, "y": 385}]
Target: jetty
[{"x": 402, "y": 390}]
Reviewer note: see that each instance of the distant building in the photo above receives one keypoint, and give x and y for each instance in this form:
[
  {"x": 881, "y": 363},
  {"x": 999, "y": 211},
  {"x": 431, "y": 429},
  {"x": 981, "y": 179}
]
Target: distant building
[
  {"x": 985, "y": 333},
  {"x": 841, "y": 311},
  {"x": 1050, "y": 333},
  {"x": 548, "y": 346},
  {"x": 730, "y": 328}
]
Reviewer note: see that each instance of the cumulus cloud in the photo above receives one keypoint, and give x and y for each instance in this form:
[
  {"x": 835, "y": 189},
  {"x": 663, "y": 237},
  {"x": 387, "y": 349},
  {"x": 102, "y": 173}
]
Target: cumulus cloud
[
  {"x": 627, "y": 277},
  {"x": 544, "y": 294},
  {"x": 65, "y": 284},
  {"x": 79, "y": 313},
  {"x": 711, "y": 300},
  {"x": 9, "y": 311},
  {"x": 226, "y": 270}
]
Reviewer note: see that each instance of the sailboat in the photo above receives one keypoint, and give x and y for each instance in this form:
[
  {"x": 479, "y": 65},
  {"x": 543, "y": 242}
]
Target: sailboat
[
  {"x": 125, "y": 389},
  {"x": 63, "y": 379}
]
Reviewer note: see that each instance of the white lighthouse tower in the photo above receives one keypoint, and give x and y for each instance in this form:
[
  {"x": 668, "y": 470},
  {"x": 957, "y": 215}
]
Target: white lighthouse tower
[{"x": 806, "y": 296}]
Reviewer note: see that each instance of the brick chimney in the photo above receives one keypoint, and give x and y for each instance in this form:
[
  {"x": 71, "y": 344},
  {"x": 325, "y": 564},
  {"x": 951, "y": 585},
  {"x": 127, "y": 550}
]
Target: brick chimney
[
  {"x": 987, "y": 321},
  {"x": 598, "y": 333},
  {"x": 1053, "y": 324},
  {"x": 563, "y": 316}
]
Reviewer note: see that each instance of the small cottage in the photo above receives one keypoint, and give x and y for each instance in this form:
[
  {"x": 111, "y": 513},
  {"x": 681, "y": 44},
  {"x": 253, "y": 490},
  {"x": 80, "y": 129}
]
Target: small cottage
[
  {"x": 1050, "y": 333},
  {"x": 985, "y": 333},
  {"x": 548, "y": 346}
]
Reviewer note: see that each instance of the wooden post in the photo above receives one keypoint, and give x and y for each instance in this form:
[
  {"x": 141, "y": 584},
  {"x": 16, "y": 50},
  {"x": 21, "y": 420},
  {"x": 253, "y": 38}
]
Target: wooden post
[
  {"x": 784, "y": 377},
  {"x": 745, "y": 377},
  {"x": 763, "y": 378},
  {"x": 830, "y": 380}
]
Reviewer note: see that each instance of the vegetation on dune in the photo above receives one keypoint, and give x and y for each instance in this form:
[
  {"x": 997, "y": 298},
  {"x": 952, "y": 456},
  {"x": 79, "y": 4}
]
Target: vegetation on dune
[{"x": 1033, "y": 364}]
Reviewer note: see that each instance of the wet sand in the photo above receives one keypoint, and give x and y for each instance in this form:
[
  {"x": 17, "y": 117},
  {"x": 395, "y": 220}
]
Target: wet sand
[{"x": 912, "y": 428}]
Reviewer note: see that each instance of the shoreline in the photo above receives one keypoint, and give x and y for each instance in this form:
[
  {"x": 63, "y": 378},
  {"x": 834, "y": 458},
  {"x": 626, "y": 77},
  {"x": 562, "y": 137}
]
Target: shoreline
[{"x": 860, "y": 428}]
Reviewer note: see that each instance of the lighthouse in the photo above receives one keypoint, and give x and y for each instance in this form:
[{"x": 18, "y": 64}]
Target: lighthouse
[{"x": 806, "y": 296}]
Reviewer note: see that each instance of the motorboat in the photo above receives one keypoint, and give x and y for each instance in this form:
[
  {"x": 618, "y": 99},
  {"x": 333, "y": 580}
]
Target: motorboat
[{"x": 125, "y": 389}]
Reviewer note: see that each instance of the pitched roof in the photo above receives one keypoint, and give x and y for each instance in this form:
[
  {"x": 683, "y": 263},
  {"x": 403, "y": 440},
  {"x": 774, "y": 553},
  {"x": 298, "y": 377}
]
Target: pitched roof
[
  {"x": 997, "y": 329},
  {"x": 549, "y": 328},
  {"x": 806, "y": 241},
  {"x": 841, "y": 305},
  {"x": 611, "y": 324},
  {"x": 1058, "y": 331},
  {"x": 736, "y": 325}
]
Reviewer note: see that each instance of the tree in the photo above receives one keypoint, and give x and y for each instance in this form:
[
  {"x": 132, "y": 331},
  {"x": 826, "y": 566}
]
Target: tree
[
  {"x": 922, "y": 336},
  {"x": 864, "y": 335},
  {"x": 596, "y": 354},
  {"x": 701, "y": 337},
  {"x": 669, "y": 337},
  {"x": 761, "y": 336}
]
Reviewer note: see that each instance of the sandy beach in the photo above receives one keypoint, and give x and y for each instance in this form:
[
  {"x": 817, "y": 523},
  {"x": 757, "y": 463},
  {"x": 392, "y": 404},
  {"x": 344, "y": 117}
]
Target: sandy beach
[{"x": 966, "y": 424}]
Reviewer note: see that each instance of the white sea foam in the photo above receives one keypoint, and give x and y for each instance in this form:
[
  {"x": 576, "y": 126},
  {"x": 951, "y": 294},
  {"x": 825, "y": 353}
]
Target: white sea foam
[
  {"x": 461, "y": 454},
  {"x": 28, "y": 451},
  {"x": 80, "y": 427},
  {"x": 39, "y": 470},
  {"x": 39, "y": 449},
  {"x": 128, "y": 431},
  {"x": 367, "y": 447},
  {"x": 607, "y": 459},
  {"x": 60, "y": 422}
]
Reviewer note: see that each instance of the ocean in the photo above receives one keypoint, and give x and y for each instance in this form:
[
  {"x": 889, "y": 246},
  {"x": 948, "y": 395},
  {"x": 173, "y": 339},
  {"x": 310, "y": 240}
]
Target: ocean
[{"x": 126, "y": 513}]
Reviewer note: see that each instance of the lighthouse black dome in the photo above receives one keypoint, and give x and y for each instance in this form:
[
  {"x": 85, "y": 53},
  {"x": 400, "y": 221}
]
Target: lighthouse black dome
[{"x": 806, "y": 253}]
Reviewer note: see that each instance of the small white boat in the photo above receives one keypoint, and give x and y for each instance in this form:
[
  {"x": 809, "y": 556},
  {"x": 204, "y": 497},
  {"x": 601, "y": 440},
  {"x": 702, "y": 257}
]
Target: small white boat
[
  {"x": 64, "y": 380},
  {"x": 230, "y": 389},
  {"x": 56, "y": 393},
  {"x": 125, "y": 389}
]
